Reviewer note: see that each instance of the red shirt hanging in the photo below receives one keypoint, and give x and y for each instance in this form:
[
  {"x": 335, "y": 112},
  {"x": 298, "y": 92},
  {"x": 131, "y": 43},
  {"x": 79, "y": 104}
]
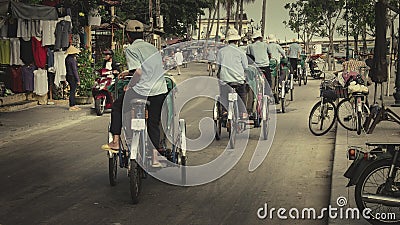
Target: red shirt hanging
[{"x": 39, "y": 53}]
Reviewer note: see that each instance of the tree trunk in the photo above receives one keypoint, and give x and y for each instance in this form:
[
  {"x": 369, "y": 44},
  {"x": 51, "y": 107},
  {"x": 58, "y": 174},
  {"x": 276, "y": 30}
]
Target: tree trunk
[
  {"x": 198, "y": 35},
  {"x": 330, "y": 55},
  {"x": 212, "y": 22},
  {"x": 218, "y": 17},
  {"x": 264, "y": 9},
  {"x": 364, "y": 38},
  {"x": 356, "y": 45},
  {"x": 241, "y": 17},
  {"x": 228, "y": 16},
  {"x": 237, "y": 15},
  {"x": 208, "y": 23}
]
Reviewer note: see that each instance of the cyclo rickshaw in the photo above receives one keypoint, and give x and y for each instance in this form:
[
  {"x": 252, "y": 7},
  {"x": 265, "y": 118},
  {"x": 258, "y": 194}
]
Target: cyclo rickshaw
[
  {"x": 282, "y": 82},
  {"x": 301, "y": 69},
  {"x": 135, "y": 153},
  {"x": 257, "y": 108}
]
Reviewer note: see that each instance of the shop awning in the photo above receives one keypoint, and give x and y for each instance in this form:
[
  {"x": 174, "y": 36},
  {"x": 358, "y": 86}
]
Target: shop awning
[{"x": 33, "y": 12}]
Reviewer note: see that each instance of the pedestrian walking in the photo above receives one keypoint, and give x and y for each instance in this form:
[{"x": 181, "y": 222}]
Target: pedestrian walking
[{"x": 178, "y": 60}]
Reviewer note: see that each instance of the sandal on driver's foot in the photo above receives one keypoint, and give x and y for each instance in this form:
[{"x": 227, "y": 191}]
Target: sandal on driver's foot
[
  {"x": 106, "y": 147},
  {"x": 156, "y": 165}
]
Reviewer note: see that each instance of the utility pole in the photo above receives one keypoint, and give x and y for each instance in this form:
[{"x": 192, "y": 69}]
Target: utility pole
[
  {"x": 151, "y": 20},
  {"x": 112, "y": 27},
  {"x": 347, "y": 32}
]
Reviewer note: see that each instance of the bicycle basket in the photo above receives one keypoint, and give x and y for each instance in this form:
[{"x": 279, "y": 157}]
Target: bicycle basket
[
  {"x": 329, "y": 95},
  {"x": 341, "y": 91}
]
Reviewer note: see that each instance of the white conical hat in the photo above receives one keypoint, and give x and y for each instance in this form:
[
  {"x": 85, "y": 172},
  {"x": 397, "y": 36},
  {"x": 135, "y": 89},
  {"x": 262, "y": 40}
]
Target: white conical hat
[
  {"x": 232, "y": 35},
  {"x": 72, "y": 50},
  {"x": 257, "y": 34},
  {"x": 271, "y": 38}
]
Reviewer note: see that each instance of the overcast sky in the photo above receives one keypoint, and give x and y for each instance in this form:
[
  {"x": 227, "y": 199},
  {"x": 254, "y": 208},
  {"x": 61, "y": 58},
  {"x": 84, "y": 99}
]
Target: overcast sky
[{"x": 276, "y": 14}]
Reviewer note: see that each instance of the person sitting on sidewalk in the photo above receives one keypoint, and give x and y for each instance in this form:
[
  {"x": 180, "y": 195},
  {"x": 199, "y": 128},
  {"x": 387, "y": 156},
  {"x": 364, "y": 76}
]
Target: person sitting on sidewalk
[{"x": 145, "y": 63}]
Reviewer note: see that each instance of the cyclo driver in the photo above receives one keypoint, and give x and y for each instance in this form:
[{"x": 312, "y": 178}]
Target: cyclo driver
[
  {"x": 232, "y": 62},
  {"x": 145, "y": 63}
]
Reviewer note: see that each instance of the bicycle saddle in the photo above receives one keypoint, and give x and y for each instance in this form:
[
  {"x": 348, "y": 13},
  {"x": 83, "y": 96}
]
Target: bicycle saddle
[
  {"x": 234, "y": 84},
  {"x": 139, "y": 101}
]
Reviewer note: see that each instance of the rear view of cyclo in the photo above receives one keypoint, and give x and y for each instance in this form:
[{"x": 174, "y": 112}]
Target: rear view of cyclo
[
  {"x": 226, "y": 113},
  {"x": 136, "y": 148}
]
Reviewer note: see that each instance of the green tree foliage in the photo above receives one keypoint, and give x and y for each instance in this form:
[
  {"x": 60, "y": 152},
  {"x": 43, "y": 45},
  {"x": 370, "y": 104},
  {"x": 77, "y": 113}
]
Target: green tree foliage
[{"x": 322, "y": 16}]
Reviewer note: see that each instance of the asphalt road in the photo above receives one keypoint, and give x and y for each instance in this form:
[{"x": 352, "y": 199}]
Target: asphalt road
[{"x": 61, "y": 177}]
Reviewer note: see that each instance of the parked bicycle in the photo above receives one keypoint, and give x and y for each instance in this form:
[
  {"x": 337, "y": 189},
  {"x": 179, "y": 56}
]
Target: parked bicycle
[{"x": 323, "y": 114}]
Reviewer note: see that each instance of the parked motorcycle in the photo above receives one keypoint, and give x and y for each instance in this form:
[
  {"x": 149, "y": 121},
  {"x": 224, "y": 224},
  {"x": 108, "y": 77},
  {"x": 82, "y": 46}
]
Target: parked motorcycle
[
  {"x": 376, "y": 177},
  {"x": 315, "y": 72},
  {"x": 103, "y": 97}
]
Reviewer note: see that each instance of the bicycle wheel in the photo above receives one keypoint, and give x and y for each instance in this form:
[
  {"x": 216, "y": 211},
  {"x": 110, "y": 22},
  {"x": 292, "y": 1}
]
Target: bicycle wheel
[
  {"x": 322, "y": 117},
  {"x": 359, "y": 123},
  {"x": 265, "y": 119},
  {"x": 134, "y": 181},
  {"x": 217, "y": 121},
  {"x": 305, "y": 78},
  {"x": 372, "y": 182},
  {"x": 233, "y": 128},
  {"x": 112, "y": 168},
  {"x": 346, "y": 116}
]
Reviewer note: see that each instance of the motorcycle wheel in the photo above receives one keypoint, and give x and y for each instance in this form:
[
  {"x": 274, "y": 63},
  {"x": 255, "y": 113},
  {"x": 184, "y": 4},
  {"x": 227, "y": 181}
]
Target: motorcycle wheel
[
  {"x": 372, "y": 181},
  {"x": 99, "y": 106}
]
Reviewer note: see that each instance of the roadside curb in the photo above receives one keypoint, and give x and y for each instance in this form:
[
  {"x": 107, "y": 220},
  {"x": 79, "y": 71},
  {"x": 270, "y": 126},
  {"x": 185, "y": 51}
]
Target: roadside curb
[{"x": 11, "y": 132}]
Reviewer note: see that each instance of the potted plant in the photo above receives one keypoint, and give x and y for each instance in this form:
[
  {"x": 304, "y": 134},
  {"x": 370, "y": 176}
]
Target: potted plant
[{"x": 87, "y": 77}]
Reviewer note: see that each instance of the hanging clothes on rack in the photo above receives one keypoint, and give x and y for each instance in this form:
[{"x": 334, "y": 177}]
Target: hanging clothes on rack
[
  {"x": 28, "y": 77},
  {"x": 59, "y": 65},
  {"x": 40, "y": 82},
  {"x": 39, "y": 53},
  {"x": 16, "y": 79},
  {"x": 26, "y": 53},
  {"x": 63, "y": 29},
  {"x": 5, "y": 51},
  {"x": 15, "y": 52},
  {"x": 48, "y": 32}
]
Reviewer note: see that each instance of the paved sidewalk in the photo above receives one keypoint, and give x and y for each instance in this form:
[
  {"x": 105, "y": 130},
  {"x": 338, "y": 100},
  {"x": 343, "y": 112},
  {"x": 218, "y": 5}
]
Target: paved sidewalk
[
  {"x": 384, "y": 132},
  {"x": 19, "y": 123}
]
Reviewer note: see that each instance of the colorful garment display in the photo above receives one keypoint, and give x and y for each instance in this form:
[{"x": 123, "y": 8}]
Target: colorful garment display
[
  {"x": 28, "y": 77},
  {"x": 5, "y": 51},
  {"x": 48, "y": 30},
  {"x": 63, "y": 29},
  {"x": 59, "y": 66},
  {"x": 40, "y": 82},
  {"x": 26, "y": 53},
  {"x": 39, "y": 53},
  {"x": 15, "y": 52},
  {"x": 16, "y": 79}
]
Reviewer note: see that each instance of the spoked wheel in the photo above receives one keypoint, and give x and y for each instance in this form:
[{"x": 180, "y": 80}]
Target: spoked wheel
[
  {"x": 305, "y": 80},
  {"x": 346, "y": 115},
  {"x": 265, "y": 117},
  {"x": 232, "y": 130},
  {"x": 322, "y": 117},
  {"x": 112, "y": 168},
  {"x": 300, "y": 77},
  {"x": 359, "y": 123},
  {"x": 283, "y": 105},
  {"x": 372, "y": 182},
  {"x": 134, "y": 181},
  {"x": 99, "y": 106}
]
